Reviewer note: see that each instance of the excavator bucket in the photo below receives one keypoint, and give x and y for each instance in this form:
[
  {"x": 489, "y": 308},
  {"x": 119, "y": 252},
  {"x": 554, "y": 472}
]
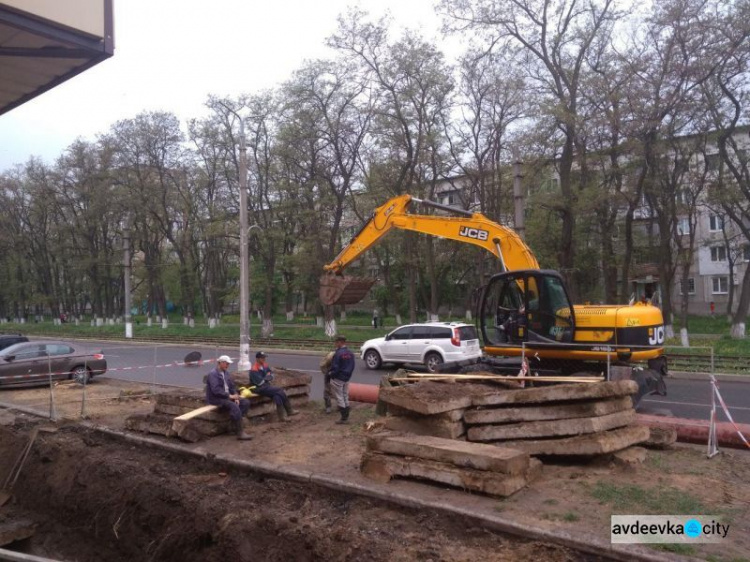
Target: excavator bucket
[{"x": 343, "y": 289}]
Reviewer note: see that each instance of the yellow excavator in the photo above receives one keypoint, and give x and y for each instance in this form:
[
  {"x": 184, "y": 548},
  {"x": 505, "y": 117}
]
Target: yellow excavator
[{"x": 523, "y": 310}]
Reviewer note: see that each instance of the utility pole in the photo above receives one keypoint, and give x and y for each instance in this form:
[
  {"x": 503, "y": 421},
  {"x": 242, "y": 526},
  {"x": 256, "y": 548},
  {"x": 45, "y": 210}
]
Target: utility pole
[
  {"x": 518, "y": 200},
  {"x": 244, "y": 362},
  {"x": 126, "y": 269}
]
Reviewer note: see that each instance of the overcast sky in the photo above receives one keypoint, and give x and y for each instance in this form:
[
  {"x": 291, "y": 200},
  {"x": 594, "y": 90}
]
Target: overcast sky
[{"x": 170, "y": 54}]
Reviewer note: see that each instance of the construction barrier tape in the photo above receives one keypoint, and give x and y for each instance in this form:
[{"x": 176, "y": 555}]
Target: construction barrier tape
[{"x": 715, "y": 386}]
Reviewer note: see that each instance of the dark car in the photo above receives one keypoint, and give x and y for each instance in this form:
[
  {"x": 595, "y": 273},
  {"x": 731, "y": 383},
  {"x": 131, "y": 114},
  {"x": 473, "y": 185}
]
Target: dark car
[
  {"x": 32, "y": 362},
  {"x": 6, "y": 340}
]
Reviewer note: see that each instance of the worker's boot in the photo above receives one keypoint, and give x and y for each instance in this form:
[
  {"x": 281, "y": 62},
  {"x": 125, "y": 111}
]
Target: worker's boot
[
  {"x": 281, "y": 413},
  {"x": 344, "y": 416},
  {"x": 288, "y": 407},
  {"x": 328, "y": 409},
  {"x": 240, "y": 432}
]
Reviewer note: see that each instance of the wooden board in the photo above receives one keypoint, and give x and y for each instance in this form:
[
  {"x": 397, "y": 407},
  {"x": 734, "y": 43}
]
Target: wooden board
[
  {"x": 383, "y": 468},
  {"x": 584, "y": 445},
  {"x": 553, "y": 428},
  {"x": 558, "y": 393},
  {"x": 458, "y": 453},
  {"x": 554, "y": 411}
]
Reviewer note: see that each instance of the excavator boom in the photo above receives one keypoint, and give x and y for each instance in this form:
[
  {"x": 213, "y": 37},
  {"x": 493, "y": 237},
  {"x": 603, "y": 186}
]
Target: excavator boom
[{"x": 473, "y": 228}]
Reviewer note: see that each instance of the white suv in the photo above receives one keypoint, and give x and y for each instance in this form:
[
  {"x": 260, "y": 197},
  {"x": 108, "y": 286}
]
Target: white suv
[{"x": 430, "y": 344}]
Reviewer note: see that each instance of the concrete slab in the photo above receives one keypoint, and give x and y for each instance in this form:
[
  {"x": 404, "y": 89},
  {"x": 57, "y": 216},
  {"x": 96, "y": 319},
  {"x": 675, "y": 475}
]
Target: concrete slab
[
  {"x": 451, "y": 415},
  {"x": 558, "y": 393},
  {"x": 661, "y": 437},
  {"x": 527, "y": 430},
  {"x": 384, "y": 467},
  {"x": 436, "y": 428},
  {"x": 548, "y": 411},
  {"x": 583, "y": 445},
  {"x": 427, "y": 397},
  {"x": 630, "y": 457},
  {"x": 458, "y": 453}
]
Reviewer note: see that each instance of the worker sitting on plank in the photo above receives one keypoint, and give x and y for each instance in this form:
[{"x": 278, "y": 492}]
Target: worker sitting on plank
[
  {"x": 222, "y": 392},
  {"x": 261, "y": 376}
]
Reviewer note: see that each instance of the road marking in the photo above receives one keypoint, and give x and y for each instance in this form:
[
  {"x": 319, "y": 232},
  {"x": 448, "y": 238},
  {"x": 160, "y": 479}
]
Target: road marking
[{"x": 690, "y": 404}]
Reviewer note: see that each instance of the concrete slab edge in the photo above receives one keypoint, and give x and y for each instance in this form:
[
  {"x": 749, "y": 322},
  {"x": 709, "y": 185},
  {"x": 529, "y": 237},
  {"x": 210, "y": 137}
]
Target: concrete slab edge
[{"x": 585, "y": 543}]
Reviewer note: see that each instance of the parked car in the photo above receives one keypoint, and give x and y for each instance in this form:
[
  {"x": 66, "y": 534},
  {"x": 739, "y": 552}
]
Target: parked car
[
  {"x": 6, "y": 340},
  {"x": 431, "y": 344},
  {"x": 30, "y": 363}
]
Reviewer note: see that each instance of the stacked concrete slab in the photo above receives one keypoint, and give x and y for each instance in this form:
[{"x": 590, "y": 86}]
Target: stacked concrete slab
[
  {"x": 495, "y": 471},
  {"x": 580, "y": 419},
  {"x": 209, "y": 422}
]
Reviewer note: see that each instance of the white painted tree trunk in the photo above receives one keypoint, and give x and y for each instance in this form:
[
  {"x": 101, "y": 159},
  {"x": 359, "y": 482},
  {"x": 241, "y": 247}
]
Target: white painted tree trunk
[
  {"x": 185, "y": 321},
  {"x": 330, "y": 327},
  {"x": 266, "y": 329},
  {"x": 99, "y": 321},
  {"x": 164, "y": 323},
  {"x": 149, "y": 322},
  {"x": 433, "y": 317},
  {"x": 684, "y": 339},
  {"x": 191, "y": 322},
  {"x": 342, "y": 317},
  {"x": 212, "y": 323},
  {"x": 468, "y": 315},
  {"x": 669, "y": 331},
  {"x": 290, "y": 316},
  {"x": 738, "y": 330},
  {"x": 319, "y": 321},
  {"x": 398, "y": 319}
]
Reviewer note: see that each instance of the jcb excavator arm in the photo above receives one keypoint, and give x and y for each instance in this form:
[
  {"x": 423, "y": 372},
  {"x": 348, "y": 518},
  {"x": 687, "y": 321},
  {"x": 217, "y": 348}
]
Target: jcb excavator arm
[{"x": 471, "y": 228}]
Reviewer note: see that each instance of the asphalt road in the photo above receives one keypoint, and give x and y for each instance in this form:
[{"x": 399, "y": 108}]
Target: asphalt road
[{"x": 135, "y": 362}]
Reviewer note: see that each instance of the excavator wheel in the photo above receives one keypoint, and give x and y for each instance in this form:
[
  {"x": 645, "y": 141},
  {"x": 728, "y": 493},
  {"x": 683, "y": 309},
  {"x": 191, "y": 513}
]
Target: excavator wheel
[{"x": 343, "y": 289}]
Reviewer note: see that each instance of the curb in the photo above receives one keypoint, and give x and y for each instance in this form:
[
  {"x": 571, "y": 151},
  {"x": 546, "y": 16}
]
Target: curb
[{"x": 581, "y": 543}]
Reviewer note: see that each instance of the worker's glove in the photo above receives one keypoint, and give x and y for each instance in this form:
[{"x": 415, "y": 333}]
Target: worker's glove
[{"x": 269, "y": 377}]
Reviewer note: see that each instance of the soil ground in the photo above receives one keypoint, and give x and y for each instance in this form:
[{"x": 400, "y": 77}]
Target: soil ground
[{"x": 100, "y": 498}]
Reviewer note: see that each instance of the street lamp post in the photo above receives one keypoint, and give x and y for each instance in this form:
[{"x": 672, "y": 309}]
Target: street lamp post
[
  {"x": 126, "y": 277},
  {"x": 244, "y": 362}
]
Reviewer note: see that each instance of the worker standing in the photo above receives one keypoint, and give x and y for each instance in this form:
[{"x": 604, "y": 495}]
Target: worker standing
[
  {"x": 222, "y": 392},
  {"x": 341, "y": 371}
]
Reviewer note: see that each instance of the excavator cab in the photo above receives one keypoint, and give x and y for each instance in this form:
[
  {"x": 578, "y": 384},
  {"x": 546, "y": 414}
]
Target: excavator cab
[{"x": 526, "y": 306}]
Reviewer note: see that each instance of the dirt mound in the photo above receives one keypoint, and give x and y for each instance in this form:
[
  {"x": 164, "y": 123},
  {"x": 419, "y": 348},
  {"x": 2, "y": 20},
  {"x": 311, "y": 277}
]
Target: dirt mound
[{"x": 97, "y": 498}]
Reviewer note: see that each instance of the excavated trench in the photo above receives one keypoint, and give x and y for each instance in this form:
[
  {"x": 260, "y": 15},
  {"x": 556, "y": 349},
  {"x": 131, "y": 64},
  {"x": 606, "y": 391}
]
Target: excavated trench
[{"x": 96, "y": 498}]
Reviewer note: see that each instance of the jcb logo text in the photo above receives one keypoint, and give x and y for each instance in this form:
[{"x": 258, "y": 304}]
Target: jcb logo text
[
  {"x": 657, "y": 337},
  {"x": 475, "y": 233}
]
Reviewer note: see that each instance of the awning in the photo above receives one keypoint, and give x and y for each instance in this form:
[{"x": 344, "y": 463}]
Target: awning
[{"x": 43, "y": 44}]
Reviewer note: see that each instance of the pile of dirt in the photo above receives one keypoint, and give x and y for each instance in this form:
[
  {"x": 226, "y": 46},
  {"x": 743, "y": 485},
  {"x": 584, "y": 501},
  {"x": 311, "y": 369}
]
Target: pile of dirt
[{"x": 97, "y": 498}]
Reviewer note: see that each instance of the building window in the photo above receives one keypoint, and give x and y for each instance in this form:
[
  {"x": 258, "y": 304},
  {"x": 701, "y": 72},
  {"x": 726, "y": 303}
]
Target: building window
[
  {"x": 715, "y": 223},
  {"x": 718, "y": 253},
  {"x": 690, "y": 286},
  {"x": 719, "y": 285},
  {"x": 683, "y": 226},
  {"x": 712, "y": 162}
]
